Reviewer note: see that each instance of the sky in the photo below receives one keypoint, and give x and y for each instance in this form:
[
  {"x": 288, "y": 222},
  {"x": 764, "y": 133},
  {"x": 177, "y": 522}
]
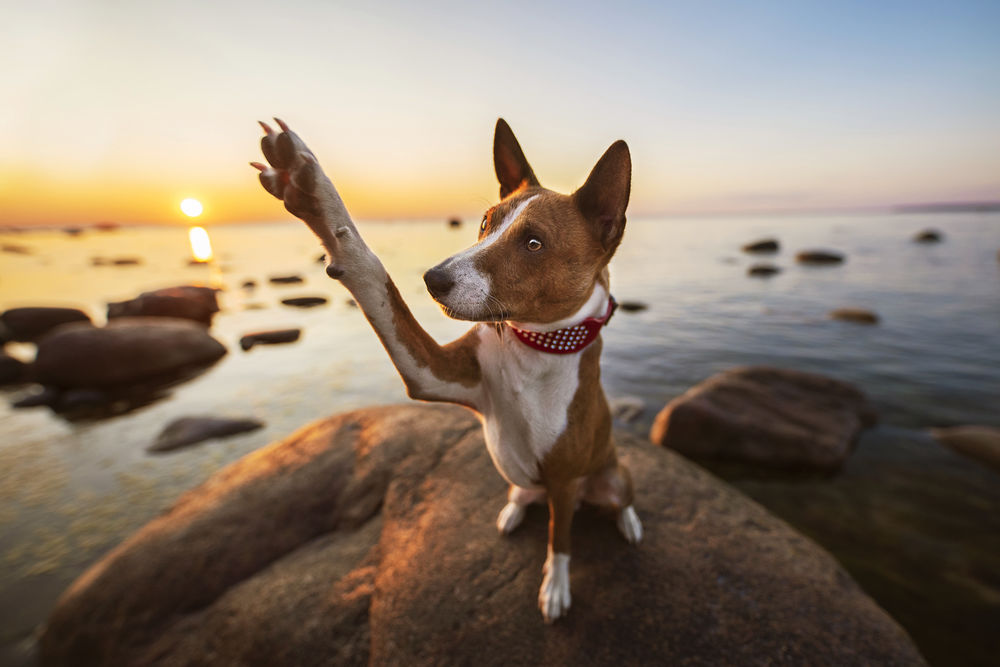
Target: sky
[{"x": 119, "y": 109}]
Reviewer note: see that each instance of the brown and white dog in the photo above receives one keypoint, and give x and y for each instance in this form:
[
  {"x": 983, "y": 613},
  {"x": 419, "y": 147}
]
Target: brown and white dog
[{"x": 536, "y": 282}]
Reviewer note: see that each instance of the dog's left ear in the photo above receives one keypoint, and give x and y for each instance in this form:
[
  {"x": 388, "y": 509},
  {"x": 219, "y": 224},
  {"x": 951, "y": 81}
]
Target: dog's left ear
[
  {"x": 513, "y": 170},
  {"x": 604, "y": 197}
]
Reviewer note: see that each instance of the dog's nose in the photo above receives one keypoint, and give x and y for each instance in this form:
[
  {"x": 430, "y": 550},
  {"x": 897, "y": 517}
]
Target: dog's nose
[{"x": 439, "y": 282}]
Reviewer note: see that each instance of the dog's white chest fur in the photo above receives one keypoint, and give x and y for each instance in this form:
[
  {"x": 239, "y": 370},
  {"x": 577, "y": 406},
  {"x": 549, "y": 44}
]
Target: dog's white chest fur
[{"x": 525, "y": 406}]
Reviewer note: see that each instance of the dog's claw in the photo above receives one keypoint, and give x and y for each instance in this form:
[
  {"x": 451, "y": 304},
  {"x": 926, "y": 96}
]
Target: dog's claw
[
  {"x": 258, "y": 166},
  {"x": 267, "y": 128},
  {"x": 281, "y": 124}
]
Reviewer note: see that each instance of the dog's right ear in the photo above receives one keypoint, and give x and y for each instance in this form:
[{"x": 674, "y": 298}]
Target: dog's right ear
[{"x": 513, "y": 170}]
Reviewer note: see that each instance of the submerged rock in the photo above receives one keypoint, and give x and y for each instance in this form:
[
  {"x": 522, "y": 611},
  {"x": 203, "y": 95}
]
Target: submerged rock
[
  {"x": 29, "y": 324},
  {"x": 928, "y": 236},
  {"x": 128, "y": 350},
  {"x": 454, "y": 222},
  {"x": 632, "y": 306},
  {"x": 186, "y": 431},
  {"x": 762, "y": 246},
  {"x": 763, "y": 270},
  {"x": 980, "y": 443},
  {"x": 627, "y": 409},
  {"x": 275, "y": 337},
  {"x": 189, "y": 302},
  {"x": 305, "y": 301},
  {"x": 856, "y": 315},
  {"x": 285, "y": 280},
  {"x": 773, "y": 417},
  {"x": 12, "y": 370},
  {"x": 369, "y": 538},
  {"x": 819, "y": 257}
]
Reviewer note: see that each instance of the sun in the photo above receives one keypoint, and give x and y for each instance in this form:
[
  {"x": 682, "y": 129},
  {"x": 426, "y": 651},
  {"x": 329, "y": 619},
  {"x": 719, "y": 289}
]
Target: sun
[{"x": 192, "y": 208}]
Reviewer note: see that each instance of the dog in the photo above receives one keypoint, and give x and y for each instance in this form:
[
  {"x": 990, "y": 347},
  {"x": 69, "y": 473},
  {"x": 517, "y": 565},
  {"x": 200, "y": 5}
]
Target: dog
[{"x": 536, "y": 285}]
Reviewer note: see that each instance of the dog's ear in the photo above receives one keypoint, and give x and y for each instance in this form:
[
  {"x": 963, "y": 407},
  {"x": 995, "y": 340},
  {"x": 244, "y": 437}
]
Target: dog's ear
[
  {"x": 513, "y": 170},
  {"x": 604, "y": 197}
]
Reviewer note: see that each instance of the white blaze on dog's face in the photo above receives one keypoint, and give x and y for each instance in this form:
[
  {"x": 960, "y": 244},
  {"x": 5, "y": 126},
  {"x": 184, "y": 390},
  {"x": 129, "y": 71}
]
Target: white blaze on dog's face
[{"x": 539, "y": 252}]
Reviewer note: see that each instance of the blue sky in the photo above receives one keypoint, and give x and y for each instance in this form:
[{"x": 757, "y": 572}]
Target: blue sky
[{"x": 123, "y": 108}]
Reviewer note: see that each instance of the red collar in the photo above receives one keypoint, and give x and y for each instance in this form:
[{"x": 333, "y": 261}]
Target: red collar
[{"x": 568, "y": 339}]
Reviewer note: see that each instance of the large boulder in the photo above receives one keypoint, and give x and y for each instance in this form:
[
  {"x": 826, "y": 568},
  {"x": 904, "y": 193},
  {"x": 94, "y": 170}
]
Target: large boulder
[
  {"x": 29, "y": 324},
  {"x": 767, "y": 416},
  {"x": 128, "y": 350},
  {"x": 12, "y": 370},
  {"x": 189, "y": 302},
  {"x": 369, "y": 538}
]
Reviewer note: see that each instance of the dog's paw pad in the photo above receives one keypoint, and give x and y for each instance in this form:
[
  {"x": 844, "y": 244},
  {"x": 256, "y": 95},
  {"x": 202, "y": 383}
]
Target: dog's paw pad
[
  {"x": 553, "y": 597},
  {"x": 629, "y": 525},
  {"x": 510, "y": 518}
]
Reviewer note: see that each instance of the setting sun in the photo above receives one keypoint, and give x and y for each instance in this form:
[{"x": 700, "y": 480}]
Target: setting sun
[{"x": 192, "y": 208}]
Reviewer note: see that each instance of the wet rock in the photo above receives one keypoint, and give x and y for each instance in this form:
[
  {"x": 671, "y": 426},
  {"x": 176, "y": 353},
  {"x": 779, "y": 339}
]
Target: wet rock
[
  {"x": 763, "y": 270},
  {"x": 819, "y": 257},
  {"x": 12, "y": 370},
  {"x": 980, "y": 443},
  {"x": 128, "y": 350},
  {"x": 305, "y": 301},
  {"x": 275, "y": 337},
  {"x": 369, "y": 538},
  {"x": 29, "y": 324},
  {"x": 627, "y": 409},
  {"x": 189, "y": 302},
  {"x": 762, "y": 246},
  {"x": 285, "y": 280},
  {"x": 187, "y": 431},
  {"x": 772, "y": 417},
  {"x": 632, "y": 306},
  {"x": 856, "y": 315},
  {"x": 928, "y": 236},
  {"x": 15, "y": 249}
]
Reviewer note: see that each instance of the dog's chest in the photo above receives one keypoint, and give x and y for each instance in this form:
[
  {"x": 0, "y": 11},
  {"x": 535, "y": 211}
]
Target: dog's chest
[{"x": 526, "y": 406}]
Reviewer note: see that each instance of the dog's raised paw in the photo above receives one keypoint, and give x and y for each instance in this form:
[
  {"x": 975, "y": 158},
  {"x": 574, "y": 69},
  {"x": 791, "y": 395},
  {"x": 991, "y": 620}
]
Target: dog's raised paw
[
  {"x": 553, "y": 597},
  {"x": 629, "y": 525},
  {"x": 510, "y": 518}
]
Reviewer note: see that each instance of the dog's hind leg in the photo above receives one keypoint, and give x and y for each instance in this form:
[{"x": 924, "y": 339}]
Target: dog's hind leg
[
  {"x": 518, "y": 499},
  {"x": 612, "y": 488}
]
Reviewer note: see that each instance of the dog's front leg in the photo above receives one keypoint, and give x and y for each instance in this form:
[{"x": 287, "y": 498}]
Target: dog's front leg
[
  {"x": 554, "y": 596},
  {"x": 430, "y": 371}
]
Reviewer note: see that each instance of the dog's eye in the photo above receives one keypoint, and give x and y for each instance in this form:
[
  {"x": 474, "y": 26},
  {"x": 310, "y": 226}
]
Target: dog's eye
[
  {"x": 533, "y": 244},
  {"x": 482, "y": 225}
]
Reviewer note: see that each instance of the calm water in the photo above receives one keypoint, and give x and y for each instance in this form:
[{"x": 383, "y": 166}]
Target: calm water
[{"x": 70, "y": 491}]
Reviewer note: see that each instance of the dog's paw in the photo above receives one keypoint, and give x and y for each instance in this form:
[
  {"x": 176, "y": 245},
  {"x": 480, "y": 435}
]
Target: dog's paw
[
  {"x": 629, "y": 525},
  {"x": 553, "y": 597},
  {"x": 510, "y": 518}
]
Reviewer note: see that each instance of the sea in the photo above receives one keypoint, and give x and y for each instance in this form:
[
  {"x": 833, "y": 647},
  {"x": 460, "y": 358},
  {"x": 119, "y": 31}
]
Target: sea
[{"x": 917, "y": 525}]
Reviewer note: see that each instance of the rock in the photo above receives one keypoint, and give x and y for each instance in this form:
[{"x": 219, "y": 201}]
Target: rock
[
  {"x": 73, "y": 231},
  {"x": 269, "y": 337},
  {"x": 99, "y": 261},
  {"x": 128, "y": 350},
  {"x": 632, "y": 306},
  {"x": 369, "y": 538},
  {"x": 29, "y": 324},
  {"x": 107, "y": 226},
  {"x": 819, "y": 257},
  {"x": 249, "y": 284},
  {"x": 627, "y": 409},
  {"x": 15, "y": 249},
  {"x": 928, "y": 236},
  {"x": 772, "y": 417},
  {"x": 763, "y": 270},
  {"x": 351, "y": 303},
  {"x": 285, "y": 280},
  {"x": 856, "y": 315},
  {"x": 321, "y": 258},
  {"x": 762, "y": 246},
  {"x": 980, "y": 443},
  {"x": 454, "y": 222},
  {"x": 126, "y": 261},
  {"x": 192, "y": 430},
  {"x": 305, "y": 301},
  {"x": 189, "y": 302},
  {"x": 12, "y": 370},
  {"x": 73, "y": 400}
]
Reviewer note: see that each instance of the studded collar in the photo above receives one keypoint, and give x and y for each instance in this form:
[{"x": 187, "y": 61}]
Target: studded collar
[{"x": 568, "y": 339}]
